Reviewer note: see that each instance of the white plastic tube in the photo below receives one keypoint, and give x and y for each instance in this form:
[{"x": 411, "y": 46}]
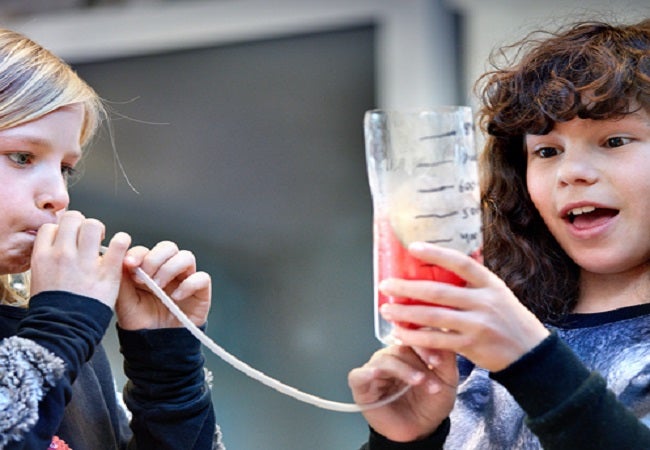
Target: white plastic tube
[{"x": 250, "y": 371}]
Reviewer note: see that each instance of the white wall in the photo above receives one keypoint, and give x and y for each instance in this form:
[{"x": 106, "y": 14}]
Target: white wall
[
  {"x": 413, "y": 45},
  {"x": 416, "y": 61}
]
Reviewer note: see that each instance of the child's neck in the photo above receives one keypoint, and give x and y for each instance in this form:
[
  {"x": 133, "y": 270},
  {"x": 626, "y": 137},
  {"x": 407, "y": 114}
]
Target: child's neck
[{"x": 599, "y": 293}]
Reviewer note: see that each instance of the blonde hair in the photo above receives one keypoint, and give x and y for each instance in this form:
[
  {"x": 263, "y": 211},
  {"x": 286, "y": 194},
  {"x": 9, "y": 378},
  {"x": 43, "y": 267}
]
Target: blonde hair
[{"x": 33, "y": 83}]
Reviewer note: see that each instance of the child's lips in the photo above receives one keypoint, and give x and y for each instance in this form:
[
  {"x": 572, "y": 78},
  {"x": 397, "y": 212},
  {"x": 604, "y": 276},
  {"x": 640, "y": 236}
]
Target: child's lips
[
  {"x": 33, "y": 228},
  {"x": 586, "y": 211},
  {"x": 31, "y": 231},
  {"x": 590, "y": 224},
  {"x": 592, "y": 219}
]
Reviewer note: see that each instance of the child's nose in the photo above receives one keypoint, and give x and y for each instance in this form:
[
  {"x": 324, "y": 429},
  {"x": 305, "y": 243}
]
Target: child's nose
[
  {"x": 576, "y": 167},
  {"x": 53, "y": 194}
]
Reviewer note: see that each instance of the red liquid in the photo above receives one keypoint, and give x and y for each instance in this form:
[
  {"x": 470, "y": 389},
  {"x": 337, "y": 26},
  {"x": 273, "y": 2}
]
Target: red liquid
[{"x": 394, "y": 261}]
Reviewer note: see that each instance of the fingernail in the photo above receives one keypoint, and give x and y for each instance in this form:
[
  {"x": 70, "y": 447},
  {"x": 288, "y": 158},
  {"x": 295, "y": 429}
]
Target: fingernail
[
  {"x": 383, "y": 285},
  {"x": 395, "y": 340},
  {"x": 416, "y": 377},
  {"x": 433, "y": 387},
  {"x": 417, "y": 246},
  {"x": 386, "y": 311},
  {"x": 433, "y": 361}
]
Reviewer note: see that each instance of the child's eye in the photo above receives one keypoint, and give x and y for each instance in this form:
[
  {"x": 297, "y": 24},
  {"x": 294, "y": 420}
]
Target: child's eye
[
  {"x": 70, "y": 174},
  {"x": 20, "y": 158},
  {"x": 617, "y": 141},
  {"x": 547, "y": 152},
  {"x": 68, "y": 171}
]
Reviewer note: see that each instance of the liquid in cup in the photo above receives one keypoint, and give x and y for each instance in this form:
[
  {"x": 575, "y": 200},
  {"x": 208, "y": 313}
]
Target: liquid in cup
[{"x": 423, "y": 175}]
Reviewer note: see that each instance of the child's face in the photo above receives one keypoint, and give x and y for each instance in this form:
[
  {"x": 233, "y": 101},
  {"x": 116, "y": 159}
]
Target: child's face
[
  {"x": 35, "y": 160},
  {"x": 590, "y": 182}
]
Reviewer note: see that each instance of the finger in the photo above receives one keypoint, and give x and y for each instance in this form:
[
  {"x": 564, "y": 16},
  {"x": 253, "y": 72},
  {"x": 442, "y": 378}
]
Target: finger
[
  {"x": 179, "y": 266},
  {"x": 67, "y": 233},
  {"x": 90, "y": 235},
  {"x": 431, "y": 357},
  {"x": 462, "y": 265},
  {"x": 366, "y": 387},
  {"x": 435, "y": 357},
  {"x": 45, "y": 236},
  {"x": 117, "y": 248},
  {"x": 443, "y": 369},
  {"x": 159, "y": 254},
  {"x": 375, "y": 379},
  {"x": 359, "y": 378},
  {"x": 196, "y": 284},
  {"x": 436, "y": 293},
  {"x": 433, "y": 316},
  {"x": 398, "y": 362},
  {"x": 368, "y": 380},
  {"x": 433, "y": 338},
  {"x": 135, "y": 256}
]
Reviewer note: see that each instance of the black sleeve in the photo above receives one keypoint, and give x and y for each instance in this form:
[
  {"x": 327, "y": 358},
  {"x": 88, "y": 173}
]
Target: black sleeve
[
  {"x": 68, "y": 325},
  {"x": 433, "y": 442},
  {"x": 167, "y": 391},
  {"x": 58, "y": 334},
  {"x": 567, "y": 406}
]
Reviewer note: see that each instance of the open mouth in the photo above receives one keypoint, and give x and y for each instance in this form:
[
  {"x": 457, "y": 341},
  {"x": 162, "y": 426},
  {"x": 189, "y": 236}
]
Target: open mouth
[{"x": 590, "y": 216}]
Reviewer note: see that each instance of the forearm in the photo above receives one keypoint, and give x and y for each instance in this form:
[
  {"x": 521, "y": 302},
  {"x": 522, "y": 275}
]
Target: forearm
[
  {"x": 167, "y": 391},
  {"x": 575, "y": 402},
  {"x": 68, "y": 325}
]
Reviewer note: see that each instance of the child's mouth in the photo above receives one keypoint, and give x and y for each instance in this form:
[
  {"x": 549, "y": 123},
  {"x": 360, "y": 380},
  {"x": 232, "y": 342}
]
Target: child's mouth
[{"x": 589, "y": 216}]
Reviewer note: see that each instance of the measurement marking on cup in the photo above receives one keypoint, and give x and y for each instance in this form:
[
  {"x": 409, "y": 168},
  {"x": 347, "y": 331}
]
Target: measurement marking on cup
[
  {"x": 434, "y": 164},
  {"x": 436, "y": 189},
  {"x": 438, "y": 136},
  {"x": 436, "y": 216},
  {"x": 440, "y": 241}
]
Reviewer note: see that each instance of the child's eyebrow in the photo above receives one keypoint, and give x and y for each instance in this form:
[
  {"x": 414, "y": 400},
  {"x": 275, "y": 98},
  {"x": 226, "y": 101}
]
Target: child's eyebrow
[
  {"x": 18, "y": 137},
  {"x": 35, "y": 141}
]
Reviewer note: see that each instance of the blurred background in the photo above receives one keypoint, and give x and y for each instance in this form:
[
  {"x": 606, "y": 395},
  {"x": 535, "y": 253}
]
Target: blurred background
[{"x": 236, "y": 131}]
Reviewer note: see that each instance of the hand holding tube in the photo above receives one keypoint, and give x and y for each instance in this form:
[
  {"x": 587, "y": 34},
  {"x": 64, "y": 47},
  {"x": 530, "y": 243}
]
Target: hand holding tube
[{"x": 174, "y": 271}]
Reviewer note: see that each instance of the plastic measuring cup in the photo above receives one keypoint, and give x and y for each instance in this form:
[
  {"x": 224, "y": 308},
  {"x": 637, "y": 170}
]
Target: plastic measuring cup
[{"x": 423, "y": 175}]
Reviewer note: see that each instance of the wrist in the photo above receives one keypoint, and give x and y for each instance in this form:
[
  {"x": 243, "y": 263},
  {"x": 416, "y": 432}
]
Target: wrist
[{"x": 430, "y": 441}]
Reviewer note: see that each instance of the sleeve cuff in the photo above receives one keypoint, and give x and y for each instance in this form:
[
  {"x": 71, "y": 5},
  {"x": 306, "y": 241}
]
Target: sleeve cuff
[
  {"x": 432, "y": 442},
  {"x": 552, "y": 368},
  {"x": 163, "y": 364},
  {"x": 69, "y": 325},
  {"x": 158, "y": 348}
]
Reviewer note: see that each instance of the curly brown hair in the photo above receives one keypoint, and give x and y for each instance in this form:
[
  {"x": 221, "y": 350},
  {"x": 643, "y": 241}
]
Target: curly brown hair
[{"x": 590, "y": 70}]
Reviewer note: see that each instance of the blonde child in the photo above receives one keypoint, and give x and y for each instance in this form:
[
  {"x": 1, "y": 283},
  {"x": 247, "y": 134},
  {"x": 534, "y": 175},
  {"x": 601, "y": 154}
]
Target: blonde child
[{"x": 58, "y": 293}]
